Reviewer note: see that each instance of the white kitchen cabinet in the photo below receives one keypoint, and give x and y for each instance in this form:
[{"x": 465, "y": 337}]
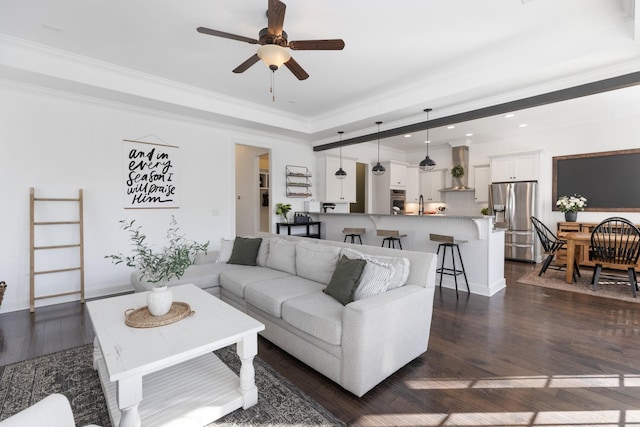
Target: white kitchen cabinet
[
  {"x": 413, "y": 184},
  {"x": 332, "y": 189},
  {"x": 481, "y": 183},
  {"x": 517, "y": 167},
  {"x": 396, "y": 174},
  {"x": 430, "y": 185}
]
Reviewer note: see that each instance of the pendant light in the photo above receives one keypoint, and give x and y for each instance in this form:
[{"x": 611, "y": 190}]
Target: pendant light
[
  {"x": 427, "y": 164},
  {"x": 378, "y": 169},
  {"x": 340, "y": 173}
]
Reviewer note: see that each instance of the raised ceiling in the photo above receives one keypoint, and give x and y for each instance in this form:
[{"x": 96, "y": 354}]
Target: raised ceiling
[{"x": 400, "y": 57}]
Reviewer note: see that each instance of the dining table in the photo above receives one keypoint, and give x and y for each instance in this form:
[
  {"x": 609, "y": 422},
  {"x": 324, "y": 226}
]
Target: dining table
[{"x": 574, "y": 239}]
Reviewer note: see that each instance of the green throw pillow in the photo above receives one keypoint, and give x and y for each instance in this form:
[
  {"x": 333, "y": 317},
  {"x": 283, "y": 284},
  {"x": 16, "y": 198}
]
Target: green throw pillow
[
  {"x": 345, "y": 279},
  {"x": 245, "y": 251}
]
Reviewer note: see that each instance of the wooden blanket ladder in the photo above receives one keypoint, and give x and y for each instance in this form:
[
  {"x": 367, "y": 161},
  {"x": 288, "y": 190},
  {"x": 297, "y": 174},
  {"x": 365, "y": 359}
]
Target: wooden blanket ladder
[{"x": 36, "y": 225}]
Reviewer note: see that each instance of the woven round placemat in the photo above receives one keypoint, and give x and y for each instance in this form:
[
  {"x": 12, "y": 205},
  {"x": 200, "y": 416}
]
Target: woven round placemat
[{"x": 142, "y": 318}]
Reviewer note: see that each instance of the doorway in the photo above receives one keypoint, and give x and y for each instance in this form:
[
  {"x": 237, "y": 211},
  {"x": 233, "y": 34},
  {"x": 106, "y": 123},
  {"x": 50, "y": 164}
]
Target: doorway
[
  {"x": 252, "y": 186},
  {"x": 265, "y": 198}
]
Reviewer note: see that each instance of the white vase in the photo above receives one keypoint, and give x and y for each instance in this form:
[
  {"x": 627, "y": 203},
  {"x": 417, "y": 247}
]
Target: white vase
[{"x": 159, "y": 300}]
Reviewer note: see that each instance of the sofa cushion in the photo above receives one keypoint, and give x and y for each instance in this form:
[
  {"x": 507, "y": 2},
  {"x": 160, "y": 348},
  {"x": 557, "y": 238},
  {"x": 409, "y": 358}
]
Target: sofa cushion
[
  {"x": 245, "y": 251},
  {"x": 401, "y": 265},
  {"x": 268, "y": 295},
  {"x": 375, "y": 279},
  {"x": 282, "y": 255},
  {"x": 263, "y": 253},
  {"x": 236, "y": 280},
  {"x": 202, "y": 275},
  {"x": 226, "y": 247},
  {"x": 344, "y": 279},
  {"x": 315, "y": 261},
  {"x": 316, "y": 314}
]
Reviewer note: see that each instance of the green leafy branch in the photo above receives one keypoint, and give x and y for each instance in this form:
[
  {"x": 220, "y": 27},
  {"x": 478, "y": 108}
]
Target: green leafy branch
[{"x": 171, "y": 261}]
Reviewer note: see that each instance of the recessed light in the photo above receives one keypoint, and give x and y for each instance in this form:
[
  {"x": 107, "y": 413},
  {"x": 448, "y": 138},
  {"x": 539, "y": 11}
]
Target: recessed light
[
  {"x": 408, "y": 135},
  {"x": 451, "y": 127},
  {"x": 508, "y": 116},
  {"x": 468, "y": 134},
  {"x": 427, "y": 142},
  {"x": 522, "y": 125}
]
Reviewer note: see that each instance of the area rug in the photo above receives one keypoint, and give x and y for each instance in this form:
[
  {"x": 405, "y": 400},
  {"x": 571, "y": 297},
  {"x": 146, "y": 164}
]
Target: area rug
[
  {"x": 610, "y": 285},
  {"x": 71, "y": 373}
]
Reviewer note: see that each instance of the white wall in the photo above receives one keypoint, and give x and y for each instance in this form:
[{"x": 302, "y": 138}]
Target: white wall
[{"x": 59, "y": 143}]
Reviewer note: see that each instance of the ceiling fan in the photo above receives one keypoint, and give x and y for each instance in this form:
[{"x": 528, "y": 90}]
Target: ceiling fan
[{"x": 274, "y": 43}]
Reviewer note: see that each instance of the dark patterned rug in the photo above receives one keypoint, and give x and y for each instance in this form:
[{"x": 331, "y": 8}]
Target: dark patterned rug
[{"x": 71, "y": 373}]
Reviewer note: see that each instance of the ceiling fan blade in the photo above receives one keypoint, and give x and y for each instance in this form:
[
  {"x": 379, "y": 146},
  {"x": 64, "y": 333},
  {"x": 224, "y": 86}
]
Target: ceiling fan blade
[
  {"x": 275, "y": 17},
  {"x": 333, "y": 44},
  {"x": 246, "y": 64},
  {"x": 224, "y": 35},
  {"x": 296, "y": 69}
]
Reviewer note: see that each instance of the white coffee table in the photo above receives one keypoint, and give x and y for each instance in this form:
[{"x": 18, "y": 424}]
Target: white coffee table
[{"x": 168, "y": 375}]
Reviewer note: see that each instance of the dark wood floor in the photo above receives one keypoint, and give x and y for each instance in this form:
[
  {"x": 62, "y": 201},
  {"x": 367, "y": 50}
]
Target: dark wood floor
[{"x": 528, "y": 356}]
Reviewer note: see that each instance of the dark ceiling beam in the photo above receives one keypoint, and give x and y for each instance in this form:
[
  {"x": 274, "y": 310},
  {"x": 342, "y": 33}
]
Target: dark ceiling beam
[{"x": 613, "y": 83}]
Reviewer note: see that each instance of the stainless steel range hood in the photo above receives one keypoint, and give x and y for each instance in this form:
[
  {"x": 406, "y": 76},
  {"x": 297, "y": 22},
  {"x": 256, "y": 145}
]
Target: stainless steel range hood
[{"x": 460, "y": 156}]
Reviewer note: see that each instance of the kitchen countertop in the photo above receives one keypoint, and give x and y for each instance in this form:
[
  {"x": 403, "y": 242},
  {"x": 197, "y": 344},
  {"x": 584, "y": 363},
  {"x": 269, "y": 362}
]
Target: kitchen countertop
[{"x": 407, "y": 215}]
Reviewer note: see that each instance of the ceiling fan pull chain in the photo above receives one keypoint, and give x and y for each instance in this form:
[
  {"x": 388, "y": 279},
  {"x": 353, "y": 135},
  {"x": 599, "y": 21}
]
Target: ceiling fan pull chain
[{"x": 272, "y": 88}]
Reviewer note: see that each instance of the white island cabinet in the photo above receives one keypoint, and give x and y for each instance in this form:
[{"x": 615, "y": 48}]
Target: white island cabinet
[
  {"x": 332, "y": 189},
  {"x": 482, "y": 250}
]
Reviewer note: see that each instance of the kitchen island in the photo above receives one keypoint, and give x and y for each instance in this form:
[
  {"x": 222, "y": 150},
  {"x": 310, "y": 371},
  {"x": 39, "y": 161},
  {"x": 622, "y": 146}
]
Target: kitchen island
[{"x": 482, "y": 252}]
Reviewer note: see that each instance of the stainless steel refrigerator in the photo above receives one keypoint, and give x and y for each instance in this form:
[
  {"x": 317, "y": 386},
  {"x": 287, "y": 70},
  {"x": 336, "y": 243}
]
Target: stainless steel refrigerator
[{"x": 513, "y": 204}]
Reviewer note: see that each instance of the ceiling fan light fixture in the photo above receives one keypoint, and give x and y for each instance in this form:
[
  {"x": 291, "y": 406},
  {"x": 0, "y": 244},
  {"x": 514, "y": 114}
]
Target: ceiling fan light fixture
[
  {"x": 427, "y": 164},
  {"x": 273, "y": 55}
]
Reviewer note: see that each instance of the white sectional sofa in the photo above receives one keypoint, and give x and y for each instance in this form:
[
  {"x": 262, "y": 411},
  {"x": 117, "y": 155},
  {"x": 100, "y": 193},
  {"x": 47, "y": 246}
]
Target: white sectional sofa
[{"x": 357, "y": 345}]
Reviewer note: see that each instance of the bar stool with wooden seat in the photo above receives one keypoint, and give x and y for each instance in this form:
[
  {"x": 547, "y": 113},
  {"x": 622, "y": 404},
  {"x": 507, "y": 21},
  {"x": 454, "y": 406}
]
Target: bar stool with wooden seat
[
  {"x": 390, "y": 237},
  {"x": 353, "y": 233},
  {"x": 450, "y": 243}
]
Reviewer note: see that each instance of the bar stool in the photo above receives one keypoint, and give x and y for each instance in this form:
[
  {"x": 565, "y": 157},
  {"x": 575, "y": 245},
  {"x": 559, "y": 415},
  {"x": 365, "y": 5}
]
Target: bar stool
[
  {"x": 390, "y": 237},
  {"x": 353, "y": 233},
  {"x": 450, "y": 242}
]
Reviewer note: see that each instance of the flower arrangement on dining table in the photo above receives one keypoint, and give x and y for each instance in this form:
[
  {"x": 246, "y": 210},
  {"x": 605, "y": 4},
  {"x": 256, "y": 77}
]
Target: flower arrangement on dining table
[{"x": 573, "y": 203}]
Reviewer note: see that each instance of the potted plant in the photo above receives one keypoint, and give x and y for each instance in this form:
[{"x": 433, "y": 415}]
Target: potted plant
[
  {"x": 571, "y": 205},
  {"x": 283, "y": 209},
  {"x": 159, "y": 266}
]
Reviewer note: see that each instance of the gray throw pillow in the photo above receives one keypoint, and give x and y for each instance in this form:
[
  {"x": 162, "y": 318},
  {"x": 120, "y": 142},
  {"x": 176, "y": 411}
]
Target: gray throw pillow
[
  {"x": 345, "y": 279},
  {"x": 245, "y": 251}
]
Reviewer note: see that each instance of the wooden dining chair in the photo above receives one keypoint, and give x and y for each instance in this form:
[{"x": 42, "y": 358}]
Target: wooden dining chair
[
  {"x": 615, "y": 243},
  {"x": 551, "y": 244}
]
